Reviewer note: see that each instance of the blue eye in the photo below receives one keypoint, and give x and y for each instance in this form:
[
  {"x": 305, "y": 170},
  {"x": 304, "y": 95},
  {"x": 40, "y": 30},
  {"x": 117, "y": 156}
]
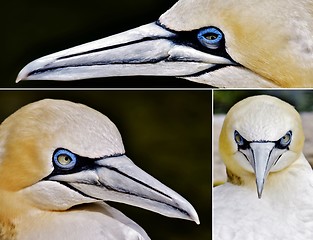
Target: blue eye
[
  {"x": 64, "y": 159},
  {"x": 210, "y": 37},
  {"x": 238, "y": 139},
  {"x": 285, "y": 140}
]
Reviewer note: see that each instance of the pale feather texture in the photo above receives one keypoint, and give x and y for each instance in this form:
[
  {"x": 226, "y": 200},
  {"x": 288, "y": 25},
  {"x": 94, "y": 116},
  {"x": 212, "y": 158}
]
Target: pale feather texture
[
  {"x": 88, "y": 222},
  {"x": 273, "y": 39},
  {"x": 43, "y": 126},
  {"x": 219, "y": 169},
  {"x": 268, "y": 44},
  {"x": 28, "y": 138},
  {"x": 285, "y": 210},
  {"x": 40, "y": 200}
]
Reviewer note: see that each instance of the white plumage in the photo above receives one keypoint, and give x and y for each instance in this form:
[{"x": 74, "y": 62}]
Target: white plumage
[
  {"x": 284, "y": 209},
  {"x": 219, "y": 43},
  {"x": 59, "y": 162}
]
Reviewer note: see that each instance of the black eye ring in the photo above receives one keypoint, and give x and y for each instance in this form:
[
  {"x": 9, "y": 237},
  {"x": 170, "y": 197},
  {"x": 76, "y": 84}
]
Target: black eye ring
[
  {"x": 284, "y": 141},
  {"x": 64, "y": 159},
  {"x": 239, "y": 139},
  {"x": 210, "y": 37}
]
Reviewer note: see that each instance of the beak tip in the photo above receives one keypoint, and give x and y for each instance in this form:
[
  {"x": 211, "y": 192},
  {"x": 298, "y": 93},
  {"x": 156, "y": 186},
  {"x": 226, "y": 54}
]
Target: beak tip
[
  {"x": 28, "y": 71},
  {"x": 195, "y": 218},
  {"x": 260, "y": 189},
  {"x": 23, "y": 74},
  {"x": 19, "y": 78},
  {"x": 186, "y": 210},
  {"x": 193, "y": 215}
]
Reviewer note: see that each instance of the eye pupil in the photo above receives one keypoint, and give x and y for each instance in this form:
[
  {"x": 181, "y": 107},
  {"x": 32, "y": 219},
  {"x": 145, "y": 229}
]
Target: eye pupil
[
  {"x": 285, "y": 140},
  {"x": 64, "y": 159},
  {"x": 239, "y": 139},
  {"x": 210, "y": 37}
]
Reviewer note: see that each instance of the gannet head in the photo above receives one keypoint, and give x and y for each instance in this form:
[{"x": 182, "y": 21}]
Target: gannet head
[
  {"x": 57, "y": 154},
  {"x": 221, "y": 43},
  {"x": 261, "y": 135}
]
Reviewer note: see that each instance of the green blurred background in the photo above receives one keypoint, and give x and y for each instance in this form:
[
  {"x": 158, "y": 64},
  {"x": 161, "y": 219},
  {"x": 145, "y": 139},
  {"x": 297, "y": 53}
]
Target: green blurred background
[
  {"x": 302, "y": 100},
  {"x": 166, "y": 133},
  {"x": 34, "y": 28}
]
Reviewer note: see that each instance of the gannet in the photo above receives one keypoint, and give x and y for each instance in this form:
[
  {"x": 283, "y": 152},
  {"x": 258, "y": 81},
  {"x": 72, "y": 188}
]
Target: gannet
[
  {"x": 270, "y": 183},
  {"x": 59, "y": 162},
  {"x": 228, "y": 43}
]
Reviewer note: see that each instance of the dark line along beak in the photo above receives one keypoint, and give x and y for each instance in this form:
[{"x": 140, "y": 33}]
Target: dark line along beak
[
  {"x": 147, "y": 50},
  {"x": 118, "y": 179},
  {"x": 262, "y": 156}
]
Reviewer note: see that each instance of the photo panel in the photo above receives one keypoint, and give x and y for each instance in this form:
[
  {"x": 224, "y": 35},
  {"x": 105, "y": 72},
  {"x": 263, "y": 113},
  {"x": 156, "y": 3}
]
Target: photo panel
[
  {"x": 225, "y": 99},
  {"x": 165, "y": 133},
  {"x": 265, "y": 142}
]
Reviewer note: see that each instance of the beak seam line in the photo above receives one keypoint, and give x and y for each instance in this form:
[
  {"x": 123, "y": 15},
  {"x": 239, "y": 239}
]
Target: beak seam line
[
  {"x": 133, "y": 62},
  {"x": 197, "y": 74},
  {"x": 208, "y": 70},
  {"x": 144, "y": 39},
  {"x": 136, "y": 180},
  {"x": 78, "y": 191},
  {"x": 117, "y": 190},
  {"x": 123, "y": 191}
]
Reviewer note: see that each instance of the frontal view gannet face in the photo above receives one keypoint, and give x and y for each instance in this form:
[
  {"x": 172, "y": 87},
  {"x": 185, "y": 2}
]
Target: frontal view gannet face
[
  {"x": 65, "y": 154},
  {"x": 220, "y": 43},
  {"x": 261, "y": 135}
]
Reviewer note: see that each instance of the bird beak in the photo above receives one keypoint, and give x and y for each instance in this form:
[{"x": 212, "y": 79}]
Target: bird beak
[
  {"x": 118, "y": 179},
  {"x": 262, "y": 156},
  {"x": 147, "y": 50}
]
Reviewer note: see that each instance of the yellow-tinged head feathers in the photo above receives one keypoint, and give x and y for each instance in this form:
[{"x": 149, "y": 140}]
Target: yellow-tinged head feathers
[
  {"x": 237, "y": 44},
  {"x": 260, "y": 119},
  {"x": 56, "y": 154},
  {"x": 30, "y": 135},
  {"x": 274, "y": 39}
]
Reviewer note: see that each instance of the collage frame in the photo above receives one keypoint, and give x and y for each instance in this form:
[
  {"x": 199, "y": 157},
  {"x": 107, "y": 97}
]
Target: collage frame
[{"x": 169, "y": 123}]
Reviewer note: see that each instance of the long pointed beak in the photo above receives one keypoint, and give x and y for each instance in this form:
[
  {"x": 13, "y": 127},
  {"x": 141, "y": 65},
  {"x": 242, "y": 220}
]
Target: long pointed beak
[
  {"x": 146, "y": 50},
  {"x": 263, "y": 156},
  {"x": 118, "y": 179}
]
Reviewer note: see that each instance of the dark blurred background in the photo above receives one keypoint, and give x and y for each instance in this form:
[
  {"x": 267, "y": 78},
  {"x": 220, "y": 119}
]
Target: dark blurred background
[
  {"x": 34, "y": 28},
  {"x": 166, "y": 133}
]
